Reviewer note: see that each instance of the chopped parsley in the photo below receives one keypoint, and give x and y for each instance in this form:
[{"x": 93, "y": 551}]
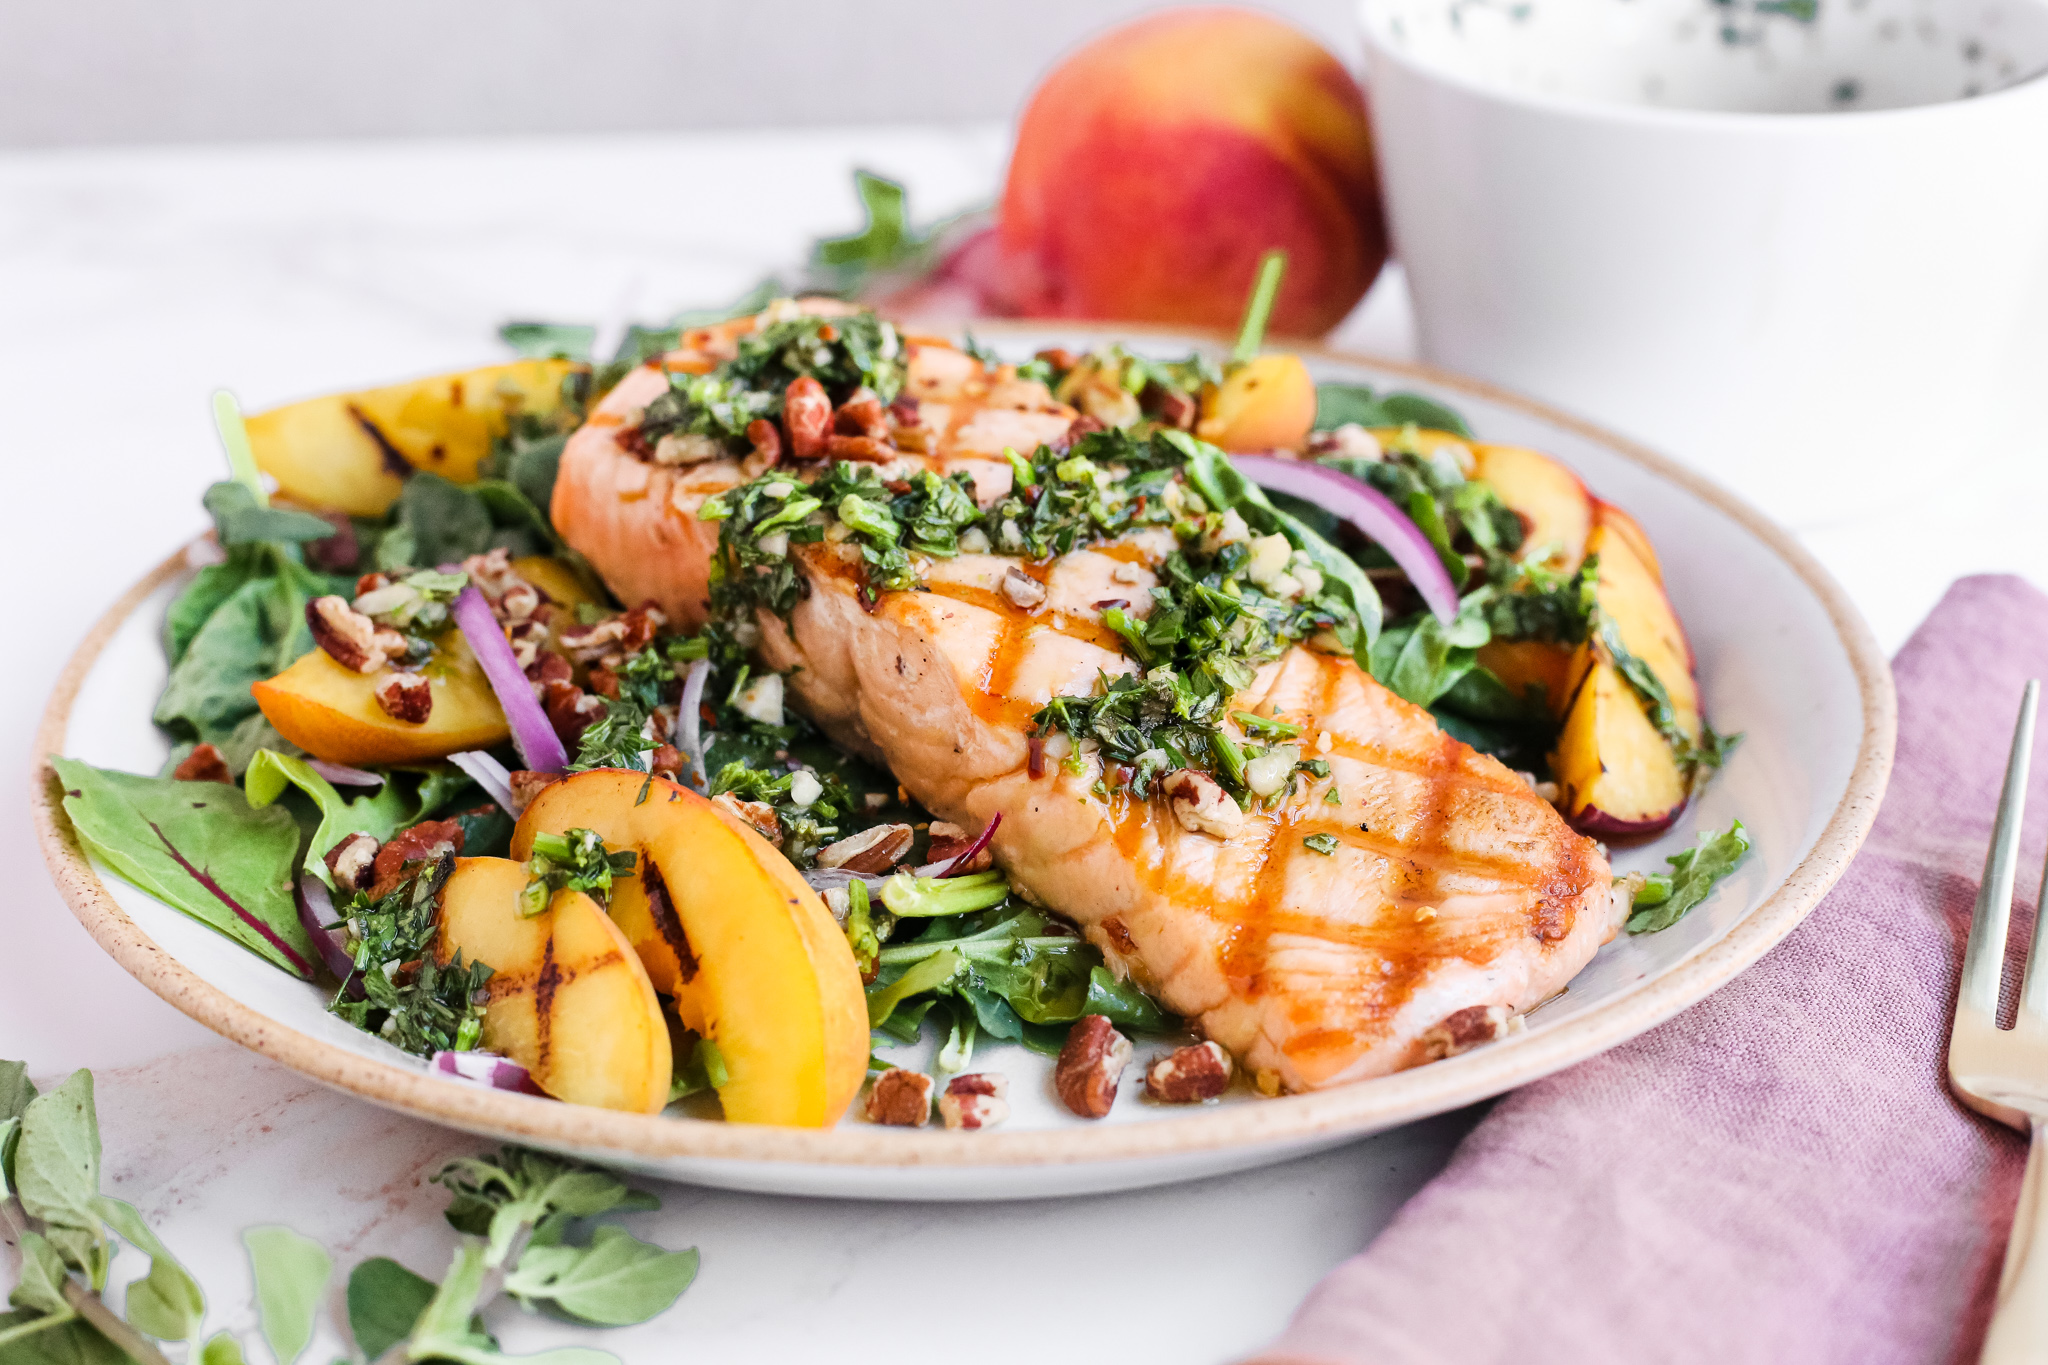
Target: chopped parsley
[
  {"x": 842, "y": 353},
  {"x": 808, "y": 804},
  {"x": 398, "y": 990},
  {"x": 574, "y": 860},
  {"x": 1325, "y": 844}
]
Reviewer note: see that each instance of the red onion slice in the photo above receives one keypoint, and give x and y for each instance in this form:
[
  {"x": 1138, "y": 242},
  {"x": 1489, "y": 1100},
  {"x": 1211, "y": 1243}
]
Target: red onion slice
[
  {"x": 823, "y": 879},
  {"x": 341, "y": 775},
  {"x": 316, "y": 912},
  {"x": 1368, "y": 509},
  {"x": 484, "y": 1068},
  {"x": 959, "y": 864},
  {"x": 489, "y": 774},
  {"x": 540, "y": 748},
  {"x": 689, "y": 735}
]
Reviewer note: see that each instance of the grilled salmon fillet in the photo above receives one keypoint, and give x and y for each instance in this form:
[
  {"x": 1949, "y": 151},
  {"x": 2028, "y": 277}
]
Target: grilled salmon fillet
[
  {"x": 1452, "y": 886},
  {"x": 635, "y": 518}
]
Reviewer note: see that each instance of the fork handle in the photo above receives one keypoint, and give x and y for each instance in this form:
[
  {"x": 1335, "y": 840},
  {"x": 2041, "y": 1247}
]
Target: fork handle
[{"x": 2019, "y": 1325}]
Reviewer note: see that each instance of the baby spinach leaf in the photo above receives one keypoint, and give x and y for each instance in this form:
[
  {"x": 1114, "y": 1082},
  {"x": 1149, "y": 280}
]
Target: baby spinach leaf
[
  {"x": 929, "y": 974},
  {"x": 437, "y": 522},
  {"x": 1663, "y": 899},
  {"x": 385, "y": 1300},
  {"x": 240, "y": 519},
  {"x": 165, "y": 1303},
  {"x": 199, "y": 847},
  {"x": 617, "y": 1280},
  {"x": 1340, "y": 404},
  {"x": 403, "y": 800},
  {"x": 291, "y": 1277},
  {"x": 209, "y": 589}
]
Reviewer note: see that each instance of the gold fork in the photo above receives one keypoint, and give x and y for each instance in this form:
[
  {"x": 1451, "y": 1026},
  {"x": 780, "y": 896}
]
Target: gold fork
[{"x": 2003, "y": 1073}]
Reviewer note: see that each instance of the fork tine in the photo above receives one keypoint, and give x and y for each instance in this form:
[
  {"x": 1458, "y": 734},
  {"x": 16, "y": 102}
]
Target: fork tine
[{"x": 1984, "y": 959}]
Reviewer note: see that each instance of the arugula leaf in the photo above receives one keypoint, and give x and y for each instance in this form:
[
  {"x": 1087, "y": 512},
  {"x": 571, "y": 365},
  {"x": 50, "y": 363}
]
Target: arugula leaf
[
  {"x": 385, "y": 1301},
  {"x": 291, "y": 1278},
  {"x": 240, "y": 519},
  {"x": 1341, "y": 404},
  {"x": 167, "y": 1302},
  {"x": 617, "y": 1280},
  {"x": 1666, "y": 896},
  {"x": 198, "y": 847}
]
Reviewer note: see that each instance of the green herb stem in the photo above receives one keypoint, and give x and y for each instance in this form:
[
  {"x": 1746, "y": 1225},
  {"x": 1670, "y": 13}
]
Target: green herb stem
[{"x": 1251, "y": 334}]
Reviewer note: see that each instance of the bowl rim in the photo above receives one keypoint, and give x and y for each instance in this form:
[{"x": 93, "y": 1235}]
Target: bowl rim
[
  {"x": 1827, "y": 123},
  {"x": 1383, "y": 1102}
]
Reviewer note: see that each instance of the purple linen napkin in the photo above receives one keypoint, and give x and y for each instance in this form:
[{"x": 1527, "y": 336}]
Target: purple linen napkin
[{"x": 1780, "y": 1173}]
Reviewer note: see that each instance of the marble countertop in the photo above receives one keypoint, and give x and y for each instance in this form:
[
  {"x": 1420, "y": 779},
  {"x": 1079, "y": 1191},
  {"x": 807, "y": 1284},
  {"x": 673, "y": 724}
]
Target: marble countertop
[{"x": 136, "y": 282}]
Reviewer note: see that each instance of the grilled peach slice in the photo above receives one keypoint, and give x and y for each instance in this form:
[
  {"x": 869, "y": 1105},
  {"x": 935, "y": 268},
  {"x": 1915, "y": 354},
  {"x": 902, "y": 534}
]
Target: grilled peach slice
[
  {"x": 1268, "y": 403},
  {"x": 351, "y": 451},
  {"x": 1633, "y": 599},
  {"x": 725, "y": 925},
  {"x": 1556, "y": 505},
  {"x": 1522, "y": 664},
  {"x": 1623, "y": 526},
  {"x": 569, "y": 1000},
  {"x": 1617, "y": 778},
  {"x": 332, "y": 713}
]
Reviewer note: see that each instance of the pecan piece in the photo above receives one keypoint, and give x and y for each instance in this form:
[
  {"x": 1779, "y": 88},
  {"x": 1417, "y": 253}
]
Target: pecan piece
[
  {"x": 1200, "y": 803},
  {"x": 346, "y": 635},
  {"x": 1025, "y": 592},
  {"x": 806, "y": 418},
  {"x": 546, "y": 667},
  {"x": 1468, "y": 1028},
  {"x": 759, "y": 814},
  {"x": 1189, "y": 1075},
  {"x": 571, "y": 711},
  {"x": 203, "y": 764},
  {"x": 352, "y": 862},
  {"x": 666, "y": 761},
  {"x": 872, "y": 850},
  {"x": 766, "y": 438},
  {"x": 421, "y": 843},
  {"x": 641, "y": 624},
  {"x": 1090, "y": 1066},
  {"x": 980, "y": 1100},
  {"x": 526, "y": 784},
  {"x": 863, "y": 448},
  {"x": 405, "y": 696},
  {"x": 901, "y": 1099},
  {"x": 862, "y": 415},
  {"x": 585, "y": 643}
]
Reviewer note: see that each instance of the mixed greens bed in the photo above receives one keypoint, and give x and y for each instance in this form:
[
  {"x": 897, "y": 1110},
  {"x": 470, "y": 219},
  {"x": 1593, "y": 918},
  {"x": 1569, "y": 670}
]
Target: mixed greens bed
[{"x": 1383, "y": 543}]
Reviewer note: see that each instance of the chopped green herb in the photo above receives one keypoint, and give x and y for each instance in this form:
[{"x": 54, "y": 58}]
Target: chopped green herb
[
  {"x": 1325, "y": 844},
  {"x": 574, "y": 860},
  {"x": 1665, "y": 897},
  {"x": 398, "y": 989}
]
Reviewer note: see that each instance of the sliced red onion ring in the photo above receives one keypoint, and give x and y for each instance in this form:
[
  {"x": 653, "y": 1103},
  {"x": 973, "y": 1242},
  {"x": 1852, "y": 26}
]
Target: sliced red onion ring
[
  {"x": 959, "y": 864},
  {"x": 342, "y": 775},
  {"x": 540, "y": 748},
  {"x": 823, "y": 879},
  {"x": 1368, "y": 509},
  {"x": 690, "y": 723},
  {"x": 489, "y": 774},
  {"x": 484, "y": 1068},
  {"x": 316, "y": 912}
]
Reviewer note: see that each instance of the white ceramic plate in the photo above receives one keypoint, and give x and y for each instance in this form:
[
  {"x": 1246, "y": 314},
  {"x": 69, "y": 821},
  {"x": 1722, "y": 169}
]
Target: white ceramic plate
[{"x": 1782, "y": 657}]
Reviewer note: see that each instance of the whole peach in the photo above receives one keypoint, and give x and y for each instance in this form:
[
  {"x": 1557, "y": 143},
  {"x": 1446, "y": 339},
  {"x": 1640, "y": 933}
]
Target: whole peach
[{"x": 1156, "y": 164}]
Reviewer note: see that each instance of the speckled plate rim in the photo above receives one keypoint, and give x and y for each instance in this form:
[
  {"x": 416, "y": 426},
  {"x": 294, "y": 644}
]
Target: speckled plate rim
[{"x": 1286, "y": 1121}]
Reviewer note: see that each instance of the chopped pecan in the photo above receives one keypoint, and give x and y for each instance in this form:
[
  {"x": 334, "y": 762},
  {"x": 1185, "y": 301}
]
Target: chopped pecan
[
  {"x": 950, "y": 841},
  {"x": 980, "y": 1100},
  {"x": 604, "y": 682},
  {"x": 571, "y": 711},
  {"x": 1090, "y": 1065},
  {"x": 493, "y": 573},
  {"x": 1025, "y": 592},
  {"x": 806, "y": 418},
  {"x": 862, "y": 415},
  {"x": 352, "y": 861},
  {"x": 901, "y": 1099},
  {"x": 529, "y": 640},
  {"x": 1200, "y": 803},
  {"x": 866, "y": 449},
  {"x": 872, "y": 850},
  {"x": 585, "y": 643},
  {"x": 405, "y": 696},
  {"x": 904, "y": 411},
  {"x": 1189, "y": 1075},
  {"x": 766, "y": 439},
  {"x": 667, "y": 761},
  {"x": 641, "y": 625},
  {"x": 346, "y": 635},
  {"x": 203, "y": 764},
  {"x": 759, "y": 814},
  {"x": 421, "y": 843},
  {"x": 519, "y": 602},
  {"x": 548, "y": 667},
  {"x": 1469, "y": 1028},
  {"x": 1083, "y": 426},
  {"x": 1171, "y": 406},
  {"x": 370, "y": 582},
  {"x": 526, "y": 784}
]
